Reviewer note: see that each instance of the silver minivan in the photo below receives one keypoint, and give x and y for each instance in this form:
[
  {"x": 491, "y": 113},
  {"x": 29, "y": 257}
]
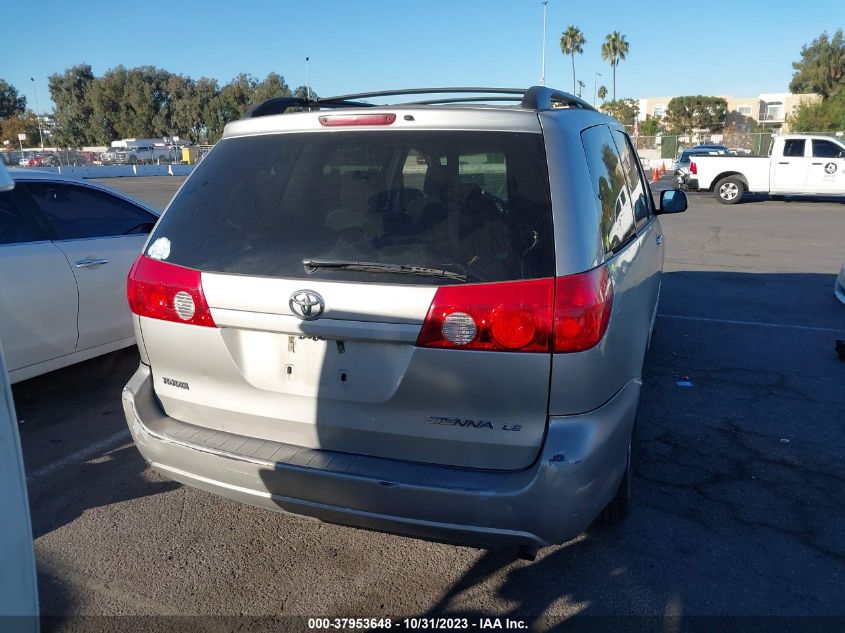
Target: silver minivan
[{"x": 426, "y": 318}]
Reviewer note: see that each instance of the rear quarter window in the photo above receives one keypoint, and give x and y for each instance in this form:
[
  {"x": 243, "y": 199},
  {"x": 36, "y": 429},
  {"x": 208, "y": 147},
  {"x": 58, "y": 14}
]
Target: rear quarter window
[{"x": 611, "y": 193}]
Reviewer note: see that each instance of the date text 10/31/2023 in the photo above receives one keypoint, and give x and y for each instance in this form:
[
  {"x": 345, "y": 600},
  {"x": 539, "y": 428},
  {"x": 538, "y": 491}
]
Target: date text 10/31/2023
[{"x": 420, "y": 623}]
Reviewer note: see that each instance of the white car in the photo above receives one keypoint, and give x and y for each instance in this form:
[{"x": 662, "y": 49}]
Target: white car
[{"x": 66, "y": 247}]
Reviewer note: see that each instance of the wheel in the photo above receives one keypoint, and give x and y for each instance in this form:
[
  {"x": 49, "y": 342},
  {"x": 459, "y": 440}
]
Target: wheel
[
  {"x": 619, "y": 507},
  {"x": 729, "y": 190}
]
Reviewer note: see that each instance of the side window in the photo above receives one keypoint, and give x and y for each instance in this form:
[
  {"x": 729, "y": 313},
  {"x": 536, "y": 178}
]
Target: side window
[
  {"x": 634, "y": 177},
  {"x": 15, "y": 226},
  {"x": 76, "y": 212},
  {"x": 793, "y": 148},
  {"x": 608, "y": 176},
  {"x": 826, "y": 149}
]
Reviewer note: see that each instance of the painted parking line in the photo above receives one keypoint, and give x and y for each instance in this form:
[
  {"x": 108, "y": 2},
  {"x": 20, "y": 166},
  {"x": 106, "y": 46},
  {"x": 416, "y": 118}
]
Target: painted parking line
[
  {"x": 789, "y": 326},
  {"x": 81, "y": 455}
]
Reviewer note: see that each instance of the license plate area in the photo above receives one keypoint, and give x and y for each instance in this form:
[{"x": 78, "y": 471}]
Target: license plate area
[{"x": 310, "y": 366}]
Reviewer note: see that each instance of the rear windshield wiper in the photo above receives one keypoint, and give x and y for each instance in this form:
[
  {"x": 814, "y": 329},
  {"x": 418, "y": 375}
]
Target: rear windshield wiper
[{"x": 375, "y": 267}]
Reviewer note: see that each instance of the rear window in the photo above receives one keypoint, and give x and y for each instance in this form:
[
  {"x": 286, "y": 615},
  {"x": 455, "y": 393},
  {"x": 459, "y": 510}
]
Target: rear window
[{"x": 474, "y": 203}]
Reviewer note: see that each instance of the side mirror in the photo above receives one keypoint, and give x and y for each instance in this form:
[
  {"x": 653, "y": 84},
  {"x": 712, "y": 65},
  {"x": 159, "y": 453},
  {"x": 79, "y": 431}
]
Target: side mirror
[{"x": 672, "y": 201}]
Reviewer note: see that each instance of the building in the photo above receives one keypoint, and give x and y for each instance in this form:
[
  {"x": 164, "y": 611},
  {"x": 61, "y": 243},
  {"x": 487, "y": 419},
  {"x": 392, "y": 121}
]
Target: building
[{"x": 769, "y": 109}]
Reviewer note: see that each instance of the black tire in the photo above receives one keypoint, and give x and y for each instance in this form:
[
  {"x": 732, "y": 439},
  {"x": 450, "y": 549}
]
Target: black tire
[
  {"x": 729, "y": 190},
  {"x": 620, "y": 506}
]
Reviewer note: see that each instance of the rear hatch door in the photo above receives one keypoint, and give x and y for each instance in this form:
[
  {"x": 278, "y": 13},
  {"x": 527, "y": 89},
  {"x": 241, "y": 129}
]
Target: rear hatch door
[{"x": 321, "y": 253}]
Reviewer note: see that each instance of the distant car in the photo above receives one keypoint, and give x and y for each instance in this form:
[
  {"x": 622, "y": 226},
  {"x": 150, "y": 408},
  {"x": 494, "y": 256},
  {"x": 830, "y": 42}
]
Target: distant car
[
  {"x": 719, "y": 149},
  {"x": 839, "y": 286},
  {"x": 66, "y": 247},
  {"x": 39, "y": 160},
  {"x": 109, "y": 157},
  {"x": 682, "y": 163}
]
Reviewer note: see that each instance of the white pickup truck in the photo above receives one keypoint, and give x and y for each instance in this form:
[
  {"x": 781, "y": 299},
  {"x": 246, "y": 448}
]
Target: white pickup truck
[{"x": 796, "y": 165}]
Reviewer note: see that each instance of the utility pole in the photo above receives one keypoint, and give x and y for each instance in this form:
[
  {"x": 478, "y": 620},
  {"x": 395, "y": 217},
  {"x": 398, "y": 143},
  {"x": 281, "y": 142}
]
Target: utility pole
[
  {"x": 37, "y": 116},
  {"x": 543, "y": 69},
  {"x": 307, "y": 80},
  {"x": 580, "y": 88},
  {"x": 595, "y": 87}
]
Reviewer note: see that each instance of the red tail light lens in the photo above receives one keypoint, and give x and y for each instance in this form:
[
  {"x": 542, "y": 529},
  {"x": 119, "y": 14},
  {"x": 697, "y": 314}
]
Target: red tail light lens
[
  {"x": 582, "y": 309},
  {"x": 693, "y": 168},
  {"x": 159, "y": 290},
  {"x": 508, "y": 316},
  {"x": 567, "y": 314},
  {"x": 356, "y": 119}
]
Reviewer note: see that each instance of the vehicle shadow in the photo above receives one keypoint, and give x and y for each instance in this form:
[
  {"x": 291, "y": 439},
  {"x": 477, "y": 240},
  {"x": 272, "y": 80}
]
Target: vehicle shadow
[
  {"x": 738, "y": 488},
  {"x": 77, "y": 450},
  {"x": 803, "y": 200},
  {"x": 739, "y": 476}
]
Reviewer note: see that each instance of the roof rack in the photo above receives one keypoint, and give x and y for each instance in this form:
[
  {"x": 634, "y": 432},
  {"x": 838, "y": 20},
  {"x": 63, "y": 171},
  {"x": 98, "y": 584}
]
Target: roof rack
[{"x": 538, "y": 98}]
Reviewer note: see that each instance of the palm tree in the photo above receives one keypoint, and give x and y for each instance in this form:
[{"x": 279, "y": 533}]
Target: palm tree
[
  {"x": 602, "y": 92},
  {"x": 613, "y": 50},
  {"x": 572, "y": 41}
]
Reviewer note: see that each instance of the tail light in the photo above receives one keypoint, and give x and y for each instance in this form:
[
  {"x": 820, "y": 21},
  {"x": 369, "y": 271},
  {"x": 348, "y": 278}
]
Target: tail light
[
  {"x": 159, "y": 290},
  {"x": 582, "y": 309},
  {"x": 567, "y": 314},
  {"x": 693, "y": 169}
]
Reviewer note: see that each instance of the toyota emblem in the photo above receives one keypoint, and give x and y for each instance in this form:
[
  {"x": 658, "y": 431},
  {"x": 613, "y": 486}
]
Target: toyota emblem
[{"x": 306, "y": 304}]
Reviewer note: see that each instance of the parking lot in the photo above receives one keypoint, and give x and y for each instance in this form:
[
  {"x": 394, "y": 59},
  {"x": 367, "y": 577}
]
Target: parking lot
[{"x": 739, "y": 489}]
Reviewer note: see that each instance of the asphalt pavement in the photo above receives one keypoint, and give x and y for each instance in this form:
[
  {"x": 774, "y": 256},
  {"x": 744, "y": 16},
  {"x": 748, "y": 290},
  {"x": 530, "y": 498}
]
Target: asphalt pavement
[{"x": 739, "y": 494}]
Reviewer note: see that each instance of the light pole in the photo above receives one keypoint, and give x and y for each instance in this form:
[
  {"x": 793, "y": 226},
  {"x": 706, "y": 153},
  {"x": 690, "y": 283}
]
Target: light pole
[
  {"x": 307, "y": 80},
  {"x": 543, "y": 67},
  {"x": 595, "y": 86},
  {"x": 37, "y": 116}
]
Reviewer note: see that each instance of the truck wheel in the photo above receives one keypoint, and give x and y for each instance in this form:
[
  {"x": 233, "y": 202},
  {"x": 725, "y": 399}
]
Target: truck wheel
[
  {"x": 619, "y": 507},
  {"x": 729, "y": 190}
]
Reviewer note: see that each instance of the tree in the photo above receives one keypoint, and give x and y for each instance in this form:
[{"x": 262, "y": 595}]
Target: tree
[
  {"x": 20, "y": 122},
  {"x": 613, "y": 51},
  {"x": 602, "y": 92},
  {"x": 625, "y": 110},
  {"x": 650, "y": 127},
  {"x": 826, "y": 115},
  {"x": 70, "y": 94},
  {"x": 685, "y": 114},
  {"x": 274, "y": 85},
  {"x": 10, "y": 102},
  {"x": 822, "y": 66},
  {"x": 304, "y": 92},
  {"x": 571, "y": 42}
]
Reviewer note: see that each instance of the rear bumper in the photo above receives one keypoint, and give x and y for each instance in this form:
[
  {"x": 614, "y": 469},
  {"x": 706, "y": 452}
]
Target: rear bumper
[
  {"x": 686, "y": 182},
  {"x": 576, "y": 475}
]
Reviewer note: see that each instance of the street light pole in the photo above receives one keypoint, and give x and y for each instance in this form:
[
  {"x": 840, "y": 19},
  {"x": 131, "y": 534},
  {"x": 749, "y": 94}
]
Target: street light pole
[
  {"x": 307, "y": 80},
  {"x": 595, "y": 86},
  {"x": 37, "y": 116},
  {"x": 543, "y": 68}
]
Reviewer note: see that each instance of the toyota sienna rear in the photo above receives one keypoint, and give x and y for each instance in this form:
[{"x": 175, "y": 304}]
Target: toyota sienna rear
[{"x": 428, "y": 319}]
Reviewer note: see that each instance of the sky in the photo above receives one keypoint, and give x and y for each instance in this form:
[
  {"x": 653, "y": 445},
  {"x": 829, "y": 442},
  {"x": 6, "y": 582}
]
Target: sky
[{"x": 710, "y": 47}]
